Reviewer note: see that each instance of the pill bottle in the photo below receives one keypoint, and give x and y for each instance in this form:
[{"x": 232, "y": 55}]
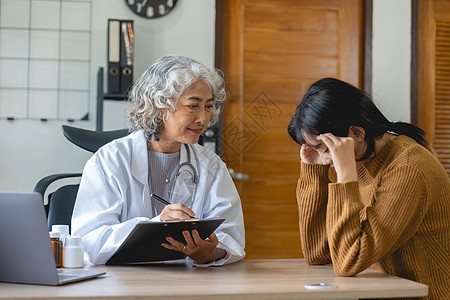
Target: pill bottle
[
  {"x": 63, "y": 230},
  {"x": 57, "y": 247},
  {"x": 73, "y": 254}
]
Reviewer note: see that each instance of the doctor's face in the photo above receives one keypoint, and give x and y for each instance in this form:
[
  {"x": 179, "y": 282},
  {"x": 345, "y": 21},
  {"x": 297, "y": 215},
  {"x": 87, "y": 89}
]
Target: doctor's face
[{"x": 190, "y": 118}]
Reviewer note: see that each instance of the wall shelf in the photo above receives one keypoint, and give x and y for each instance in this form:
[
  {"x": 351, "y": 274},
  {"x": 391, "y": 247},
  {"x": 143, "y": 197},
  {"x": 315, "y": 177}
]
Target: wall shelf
[{"x": 102, "y": 96}]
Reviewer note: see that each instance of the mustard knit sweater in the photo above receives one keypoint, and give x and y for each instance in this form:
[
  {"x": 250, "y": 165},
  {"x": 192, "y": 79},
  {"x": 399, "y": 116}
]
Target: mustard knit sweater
[{"x": 395, "y": 219}]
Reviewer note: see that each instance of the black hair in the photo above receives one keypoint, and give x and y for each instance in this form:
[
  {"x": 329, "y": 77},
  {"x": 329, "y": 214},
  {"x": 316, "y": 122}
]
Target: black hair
[{"x": 332, "y": 106}]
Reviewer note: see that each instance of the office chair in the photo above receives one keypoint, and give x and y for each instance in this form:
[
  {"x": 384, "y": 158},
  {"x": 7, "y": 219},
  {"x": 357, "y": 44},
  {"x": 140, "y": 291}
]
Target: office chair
[{"x": 60, "y": 203}]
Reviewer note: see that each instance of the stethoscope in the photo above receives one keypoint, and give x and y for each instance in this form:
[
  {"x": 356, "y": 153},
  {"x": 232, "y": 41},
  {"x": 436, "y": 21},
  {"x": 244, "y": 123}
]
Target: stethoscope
[
  {"x": 184, "y": 167},
  {"x": 188, "y": 167}
]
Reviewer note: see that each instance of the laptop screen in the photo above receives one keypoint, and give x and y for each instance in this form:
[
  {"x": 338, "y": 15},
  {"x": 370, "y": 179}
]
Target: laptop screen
[{"x": 26, "y": 254}]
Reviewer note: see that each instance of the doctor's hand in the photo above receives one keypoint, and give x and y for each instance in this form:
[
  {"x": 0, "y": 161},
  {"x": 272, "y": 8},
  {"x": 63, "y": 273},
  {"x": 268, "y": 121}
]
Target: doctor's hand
[
  {"x": 176, "y": 212},
  {"x": 202, "y": 251}
]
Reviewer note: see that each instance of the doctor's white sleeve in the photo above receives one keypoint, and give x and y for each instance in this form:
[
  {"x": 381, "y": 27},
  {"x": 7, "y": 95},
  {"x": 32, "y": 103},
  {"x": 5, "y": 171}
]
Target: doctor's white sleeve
[{"x": 97, "y": 214}]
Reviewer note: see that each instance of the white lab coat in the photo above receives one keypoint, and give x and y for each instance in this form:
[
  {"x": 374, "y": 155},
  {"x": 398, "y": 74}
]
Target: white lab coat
[{"x": 114, "y": 196}]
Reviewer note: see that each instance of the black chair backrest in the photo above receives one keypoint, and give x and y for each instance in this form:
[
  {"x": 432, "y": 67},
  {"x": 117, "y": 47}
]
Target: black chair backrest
[
  {"x": 91, "y": 140},
  {"x": 61, "y": 205}
]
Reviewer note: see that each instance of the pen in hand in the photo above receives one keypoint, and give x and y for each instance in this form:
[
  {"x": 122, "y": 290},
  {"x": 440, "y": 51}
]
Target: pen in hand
[
  {"x": 158, "y": 198},
  {"x": 163, "y": 201}
]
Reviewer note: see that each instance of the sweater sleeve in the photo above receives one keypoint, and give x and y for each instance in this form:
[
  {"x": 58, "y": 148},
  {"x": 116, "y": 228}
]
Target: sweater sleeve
[
  {"x": 312, "y": 207},
  {"x": 361, "y": 235}
]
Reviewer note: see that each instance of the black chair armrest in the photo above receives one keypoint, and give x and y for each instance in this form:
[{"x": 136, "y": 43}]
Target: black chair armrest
[{"x": 43, "y": 184}]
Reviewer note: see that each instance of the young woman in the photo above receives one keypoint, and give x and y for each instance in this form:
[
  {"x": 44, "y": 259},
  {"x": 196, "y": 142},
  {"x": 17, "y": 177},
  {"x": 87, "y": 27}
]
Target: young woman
[
  {"x": 385, "y": 201},
  {"x": 170, "y": 105}
]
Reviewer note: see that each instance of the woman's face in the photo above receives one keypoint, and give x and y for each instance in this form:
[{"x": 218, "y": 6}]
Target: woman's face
[
  {"x": 322, "y": 152},
  {"x": 190, "y": 118}
]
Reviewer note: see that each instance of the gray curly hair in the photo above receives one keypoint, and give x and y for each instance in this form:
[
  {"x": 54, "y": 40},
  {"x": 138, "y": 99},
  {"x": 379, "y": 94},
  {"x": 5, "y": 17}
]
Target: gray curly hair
[{"x": 155, "y": 93}]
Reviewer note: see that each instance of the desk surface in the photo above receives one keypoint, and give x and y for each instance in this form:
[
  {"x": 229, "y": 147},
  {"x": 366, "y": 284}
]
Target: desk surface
[{"x": 248, "y": 279}]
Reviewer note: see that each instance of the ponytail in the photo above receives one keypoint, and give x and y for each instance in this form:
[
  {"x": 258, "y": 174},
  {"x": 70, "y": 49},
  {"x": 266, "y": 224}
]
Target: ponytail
[{"x": 412, "y": 131}]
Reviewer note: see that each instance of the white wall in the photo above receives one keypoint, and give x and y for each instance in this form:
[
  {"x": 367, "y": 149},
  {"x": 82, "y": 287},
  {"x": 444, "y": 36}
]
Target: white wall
[
  {"x": 30, "y": 150},
  {"x": 391, "y": 58}
]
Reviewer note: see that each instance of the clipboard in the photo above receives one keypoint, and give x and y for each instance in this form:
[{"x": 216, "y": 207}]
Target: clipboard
[{"x": 143, "y": 244}]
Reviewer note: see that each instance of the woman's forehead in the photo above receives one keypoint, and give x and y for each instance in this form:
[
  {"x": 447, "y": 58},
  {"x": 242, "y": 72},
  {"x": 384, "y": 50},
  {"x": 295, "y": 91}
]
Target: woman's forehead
[{"x": 311, "y": 139}]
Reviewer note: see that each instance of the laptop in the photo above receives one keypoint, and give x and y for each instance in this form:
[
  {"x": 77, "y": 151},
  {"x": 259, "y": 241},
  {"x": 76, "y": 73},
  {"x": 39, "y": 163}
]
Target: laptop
[{"x": 26, "y": 254}]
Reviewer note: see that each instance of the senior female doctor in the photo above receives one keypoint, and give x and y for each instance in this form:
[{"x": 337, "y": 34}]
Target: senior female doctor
[{"x": 170, "y": 105}]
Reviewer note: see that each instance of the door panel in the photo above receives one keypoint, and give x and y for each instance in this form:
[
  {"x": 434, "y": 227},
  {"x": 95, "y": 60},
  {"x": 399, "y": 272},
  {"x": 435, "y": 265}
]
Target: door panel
[
  {"x": 280, "y": 167},
  {"x": 433, "y": 92},
  {"x": 272, "y": 141},
  {"x": 280, "y": 191},
  {"x": 289, "y": 17},
  {"x": 285, "y": 90},
  {"x": 289, "y": 42},
  {"x": 293, "y": 66},
  {"x": 273, "y": 243},
  {"x": 272, "y": 51}
]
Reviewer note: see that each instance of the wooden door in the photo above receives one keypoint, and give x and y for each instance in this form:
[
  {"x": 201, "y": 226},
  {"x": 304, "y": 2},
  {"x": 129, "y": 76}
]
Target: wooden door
[
  {"x": 272, "y": 51},
  {"x": 433, "y": 86}
]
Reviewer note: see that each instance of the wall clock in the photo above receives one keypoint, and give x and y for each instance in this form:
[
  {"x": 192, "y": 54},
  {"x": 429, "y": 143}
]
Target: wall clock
[{"x": 151, "y": 9}]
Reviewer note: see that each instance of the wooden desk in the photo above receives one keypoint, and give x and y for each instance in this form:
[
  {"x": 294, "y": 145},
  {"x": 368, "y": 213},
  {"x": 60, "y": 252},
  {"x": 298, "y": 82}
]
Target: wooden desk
[{"x": 248, "y": 279}]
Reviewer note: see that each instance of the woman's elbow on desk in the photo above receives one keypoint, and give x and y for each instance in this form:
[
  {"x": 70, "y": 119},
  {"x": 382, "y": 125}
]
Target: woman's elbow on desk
[{"x": 316, "y": 257}]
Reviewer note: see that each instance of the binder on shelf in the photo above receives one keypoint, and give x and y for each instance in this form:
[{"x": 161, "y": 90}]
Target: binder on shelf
[
  {"x": 126, "y": 55},
  {"x": 113, "y": 56}
]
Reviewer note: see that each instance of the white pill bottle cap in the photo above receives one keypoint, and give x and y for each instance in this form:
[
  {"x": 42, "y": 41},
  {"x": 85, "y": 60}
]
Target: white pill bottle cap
[
  {"x": 73, "y": 240},
  {"x": 60, "y": 228}
]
